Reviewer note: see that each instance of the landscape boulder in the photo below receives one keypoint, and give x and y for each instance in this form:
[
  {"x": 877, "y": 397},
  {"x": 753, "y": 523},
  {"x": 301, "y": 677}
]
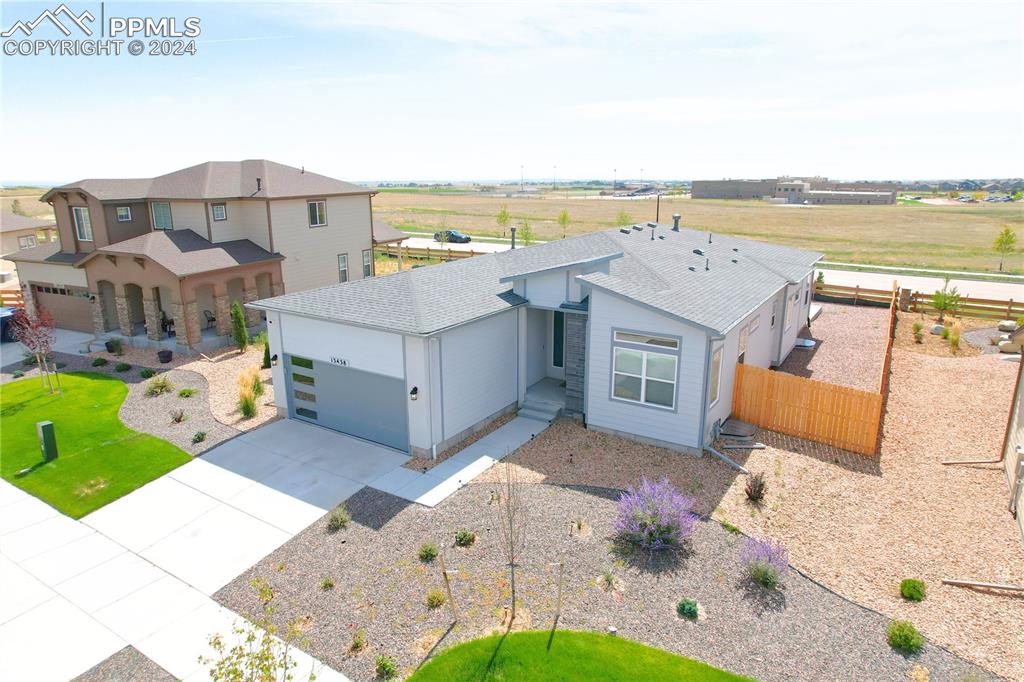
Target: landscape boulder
[
  {"x": 937, "y": 328},
  {"x": 1009, "y": 347},
  {"x": 1007, "y": 326}
]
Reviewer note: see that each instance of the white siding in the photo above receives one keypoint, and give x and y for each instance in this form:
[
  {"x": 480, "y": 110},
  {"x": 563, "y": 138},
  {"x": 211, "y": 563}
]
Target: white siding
[
  {"x": 49, "y": 273},
  {"x": 789, "y": 334},
  {"x": 276, "y": 348},
  {"x": 536, "y": 331},
  {"x": 245, "y": 220},
  {"x": 479, "y": 370},
  {"x": 417, "y": 375},
  {"x": 681, "y": 426},
  {"x": 547, "y": 290},
  {"x": 189, "y": 215},
  {"x": 364, "y": 349},
  {"x": 760, "y": 344},
  {"x": 311, "y": 253}
]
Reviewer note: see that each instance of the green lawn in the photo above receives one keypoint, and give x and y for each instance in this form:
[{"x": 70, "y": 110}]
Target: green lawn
[
  {"x": 100, "y": 459},
  {"x": 566, "y": 655}
]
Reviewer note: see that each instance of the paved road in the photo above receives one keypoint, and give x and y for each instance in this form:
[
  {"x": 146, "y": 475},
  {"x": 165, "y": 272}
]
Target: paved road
[
  {"x": 967, "y": 287},
  {"x": 477, "y": 246}
]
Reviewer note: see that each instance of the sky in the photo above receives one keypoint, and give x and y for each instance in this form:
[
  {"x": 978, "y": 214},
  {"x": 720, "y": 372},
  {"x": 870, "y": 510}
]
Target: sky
[{"x": 447, "y": 91}]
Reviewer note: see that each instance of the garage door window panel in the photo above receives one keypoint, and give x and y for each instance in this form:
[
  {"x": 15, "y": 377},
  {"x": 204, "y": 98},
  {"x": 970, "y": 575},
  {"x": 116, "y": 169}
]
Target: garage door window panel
[{"x": 304, "y": 412}]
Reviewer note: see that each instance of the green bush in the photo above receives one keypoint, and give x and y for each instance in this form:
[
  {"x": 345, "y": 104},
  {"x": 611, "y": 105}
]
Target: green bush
[
  {"x": 327, "y": 584},
  {"x": 687, "y": 608},
  {"x": 954, "y": 342},
  {"x": 239, "y": 332},
  {"x": 465, "y": 538},
  {"x": 198, "y": 437},
  {"x": 114, "y": 346},
  {"x": 756, "y": 487},
  {"x": 386, "y": 667},
  {"x": 339, "y": 519},
  {"x": 99, "y": 362},
  {"x": 146, "y": 372},
  {"x": 918, "y": 334},
  {"x": 435, "y": 598},
  {"x": 247, "y": 404},
  {"x": 912, "y": 589},
  {"x": 428, "y": 552},
  {"x": 358, "y": 640},
  {"x": 266, "y": 354},
  {"x": 186, "y": 392},
  {"x": 17, "y": 374},
  {"x": 904, "y": 637},
  {"x": 945, "y": 333},
  {"x": 122, "y": 367},
  {"x": 159, "y": 385}
]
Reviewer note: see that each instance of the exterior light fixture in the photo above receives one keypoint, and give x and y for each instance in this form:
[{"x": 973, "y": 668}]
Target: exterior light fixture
[
  {"x": 273, "y": 360},
  {"x": 414, "y": 393}
]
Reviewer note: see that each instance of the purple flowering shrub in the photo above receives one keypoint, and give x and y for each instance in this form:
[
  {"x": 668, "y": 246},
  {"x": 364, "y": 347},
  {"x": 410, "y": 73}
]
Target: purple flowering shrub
[
  {"x": 654, "y": 515},
  {"x": 765, "y": 561}
]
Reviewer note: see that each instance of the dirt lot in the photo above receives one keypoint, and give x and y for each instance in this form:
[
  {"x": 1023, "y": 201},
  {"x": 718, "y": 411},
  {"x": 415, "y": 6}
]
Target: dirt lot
[{"x": 850, "y": 347}]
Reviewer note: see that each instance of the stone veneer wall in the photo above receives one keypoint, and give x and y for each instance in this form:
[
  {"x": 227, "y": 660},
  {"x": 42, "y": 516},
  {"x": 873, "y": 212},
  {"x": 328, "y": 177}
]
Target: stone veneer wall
[{"x": 575, "y": 361}]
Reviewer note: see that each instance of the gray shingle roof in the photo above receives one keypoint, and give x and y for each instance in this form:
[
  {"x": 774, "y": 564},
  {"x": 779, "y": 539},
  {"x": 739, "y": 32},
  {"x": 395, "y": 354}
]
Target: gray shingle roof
[
  {"x": 183, "y": 252},
  {"x": 46, "y": 253},
  {"x": 218, "y": 180},
  {"x": 385, "y": 233},
  {"x": 12, "y": 222},
  {"x": 714, "y": 289}
]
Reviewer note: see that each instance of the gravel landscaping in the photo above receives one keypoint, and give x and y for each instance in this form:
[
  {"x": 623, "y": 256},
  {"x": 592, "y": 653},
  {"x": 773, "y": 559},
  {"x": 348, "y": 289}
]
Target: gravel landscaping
[
  {"x": 801, "y": 631},
  {"x": 127, "y": 664},
  {"x": 221, "y": 370},
  {"x": 850, "y": 347}
]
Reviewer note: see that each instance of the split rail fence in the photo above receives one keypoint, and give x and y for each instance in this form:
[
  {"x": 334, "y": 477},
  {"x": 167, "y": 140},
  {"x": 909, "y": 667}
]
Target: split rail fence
[
  {"x": 12, "y": 298},
  {"x": 839, "y": 416}
]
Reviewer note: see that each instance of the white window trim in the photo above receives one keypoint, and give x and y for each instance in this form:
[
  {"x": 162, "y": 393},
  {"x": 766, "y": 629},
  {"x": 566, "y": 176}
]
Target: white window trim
[
  {"x": 213, "y": 212},
  {"x": 743, "y": 339},
  {"x": 29, "y": 241},
  {"x": 788, "y": 313},
  {"x": 118, "y": 210},
  {"x": 152, "y": 215},
  {"x": 367, "y": 263},
  {"x": 716, "y": 380},
  {"x": 644, "y": 378},
  {"x": 345, "y": 269},
  {"x": 753, "y": 325},
  {"x": 620, "y": 337},
  {"x": 78, "y": 225},
  {"x": 317, "y": 201}
]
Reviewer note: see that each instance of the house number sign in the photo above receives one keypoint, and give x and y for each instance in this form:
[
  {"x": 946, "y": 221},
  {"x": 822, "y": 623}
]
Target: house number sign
[{"x": 342, "y": 362}]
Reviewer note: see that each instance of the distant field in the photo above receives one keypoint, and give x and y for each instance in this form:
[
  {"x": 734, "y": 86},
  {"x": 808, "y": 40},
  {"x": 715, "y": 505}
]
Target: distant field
[
  {"x": 920, "y": 235},
  {"x": 28, "y": 199}
]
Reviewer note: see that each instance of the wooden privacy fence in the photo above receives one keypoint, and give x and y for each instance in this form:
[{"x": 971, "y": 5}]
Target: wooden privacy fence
[
  {"x": 852, "y": 295},
  {"x": 840, "y": 416},
  {"x": 427, "y": 252},
  {"x": 988, "y": 308}
]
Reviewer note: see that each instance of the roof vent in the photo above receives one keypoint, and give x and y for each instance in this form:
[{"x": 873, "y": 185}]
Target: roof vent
[
  {"x": 707, "y": 264},
  {"x": 675, "y": 221},
  {"x": 259, "y": 184},
  {"x": 638, "y": 228},
  {"x": 625, "y": 230},
  {"x": 735, "y": 261},
  {"x": 736, "y": 249},
  {"x": 699, "y": 252},
  {"x": 661, "y": 236},
  {"x": 692, "y": 269},
  {"x": 652, "y": 225}
]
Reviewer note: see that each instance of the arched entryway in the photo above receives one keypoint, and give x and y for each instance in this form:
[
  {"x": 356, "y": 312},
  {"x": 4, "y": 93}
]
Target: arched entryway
[
  {"x": 236, "y": 291},
  {"x": 264, "y": 285},
  {"x": 206, "y": 308},
  {"x": 105, "y": 299},
  {"x": 136, "y": 310}
]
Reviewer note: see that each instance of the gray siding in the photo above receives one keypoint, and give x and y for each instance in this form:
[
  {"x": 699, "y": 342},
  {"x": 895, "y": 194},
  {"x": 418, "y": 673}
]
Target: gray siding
[
  {"x": 139, "y": 224},
  {"x": 575, "y": 361}
]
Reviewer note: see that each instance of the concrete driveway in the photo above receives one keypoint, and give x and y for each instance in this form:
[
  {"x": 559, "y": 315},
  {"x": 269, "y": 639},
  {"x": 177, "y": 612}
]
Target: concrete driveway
[{"x": 211, "y": 519}]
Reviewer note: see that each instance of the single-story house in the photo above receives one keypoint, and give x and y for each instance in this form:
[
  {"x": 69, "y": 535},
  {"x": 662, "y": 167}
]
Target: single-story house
[{"x": 636, "y": 331}]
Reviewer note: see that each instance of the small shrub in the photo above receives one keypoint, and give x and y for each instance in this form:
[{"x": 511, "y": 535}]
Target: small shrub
[
  {"x": 428, "y": 552},
  {"x": 61, "y": 365},
  {"x": 186, "y": 392},
  {"x": 114, "y": 346},
  {"x": 249, "y": 379},
  {"x": 266, "y": 353},
  {"x": 945, "y": 333},
  {"x": 158, "y": 386},
  {"x": 146, "y": 372},
  {"x": 730, "y": 527},
  {"x": 99, "y": 362},
  {"x": 756, "y": 487},
  {"x": 435, "y": 598},
  {"x": 239, "y": 332},
  {"x": 608, "y": 580},
  {"x": 655, "y": 515},
  {"x": 918, "y": 333},
  {"x": 904, "y": 637},
  {"x": 17, "y": 374},
  {"x": 954, "y": 342},
  {"x": 198, "y": 437},
  {"x": 178, "y": 416},
  {"x": 122, "y": 367},
  {"x": 326, "y": 584},
  {"x": 465, "y": 538},
  {"x": 687, "y": 608},
  {"x": 339, "y": 519},
  {"x": 386, "y": 667},
  {"x": 912, "y": 589},
  {"x": 765, "y": 561},
  {"x": 358, "y": 641},
  {"x": 247, "y": 403}
]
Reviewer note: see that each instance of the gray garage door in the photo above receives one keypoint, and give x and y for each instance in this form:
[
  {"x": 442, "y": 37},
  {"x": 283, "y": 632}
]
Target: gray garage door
[{"x": 361, "y": 404}]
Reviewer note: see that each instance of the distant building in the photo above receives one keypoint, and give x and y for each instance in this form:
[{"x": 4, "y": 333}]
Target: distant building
[{"x": 815, "y": 190}]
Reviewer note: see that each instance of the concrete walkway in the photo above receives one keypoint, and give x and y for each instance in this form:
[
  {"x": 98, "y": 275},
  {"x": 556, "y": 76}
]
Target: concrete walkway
[{"x": 72, "y": 597}]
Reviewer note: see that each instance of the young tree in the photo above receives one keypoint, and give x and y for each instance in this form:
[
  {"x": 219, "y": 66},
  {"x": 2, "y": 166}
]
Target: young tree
[
  {"x": 623, "y": 219},
  {"x": 16, "y": 208},
  {"x": 504, "y": 219},
  {"x": 36, "y": 333},
  {"x": 239, "y": 331},
  {"x": 513, "y": 523},
  {"x": 266, "y": 355},
  {"x": 946, "y": 300},
  {"x": 525, "y": 232},
  {"x": 563, "y": 221},
  {"x": 1005, "y": 244}
]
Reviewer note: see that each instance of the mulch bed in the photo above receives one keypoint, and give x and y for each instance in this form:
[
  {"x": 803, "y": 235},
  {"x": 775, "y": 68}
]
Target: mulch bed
[
  {"x": 802, "y": 631},
  {"x": 127, "y": 664}
]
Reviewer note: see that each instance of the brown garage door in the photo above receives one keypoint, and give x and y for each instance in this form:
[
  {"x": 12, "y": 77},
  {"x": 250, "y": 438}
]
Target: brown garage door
[{"x": 69, "y": 306}]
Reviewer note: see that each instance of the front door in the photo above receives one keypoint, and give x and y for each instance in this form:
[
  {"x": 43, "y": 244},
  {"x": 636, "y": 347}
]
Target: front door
[{"x": 556, "y": 349}]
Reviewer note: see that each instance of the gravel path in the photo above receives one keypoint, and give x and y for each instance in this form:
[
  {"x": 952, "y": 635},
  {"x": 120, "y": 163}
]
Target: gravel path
[
  {"x": 850, "y": 349},
  {"x": 981, "y": 338},
  {"x": 802, "y": 631},
  {"x": 127, "y": 665}
]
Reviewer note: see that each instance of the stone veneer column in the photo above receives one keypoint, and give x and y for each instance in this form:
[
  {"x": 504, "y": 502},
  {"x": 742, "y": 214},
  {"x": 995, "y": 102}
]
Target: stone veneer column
[
  {"x": 191, "y": 327},
  {"x": 28, "y": 296},
  {"x": 152, "y": 313},
  {"x": 277, "y": 288},
  {"x": 177, "y": 314},
  {"x": 223, "y": 305},
  {"x": 99, "y": 317},
  {"x": 575, "y": 361},
  {"x": 123, "y": 318},
  {"x": 252, "y": 317}
]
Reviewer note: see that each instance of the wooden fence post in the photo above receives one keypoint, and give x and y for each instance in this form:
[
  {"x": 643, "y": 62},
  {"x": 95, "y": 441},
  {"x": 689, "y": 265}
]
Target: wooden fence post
[
  {"x": 448, "y": 588},
  {"x": 856, "y": 294},
  {"x": 1009, "y": 310}
]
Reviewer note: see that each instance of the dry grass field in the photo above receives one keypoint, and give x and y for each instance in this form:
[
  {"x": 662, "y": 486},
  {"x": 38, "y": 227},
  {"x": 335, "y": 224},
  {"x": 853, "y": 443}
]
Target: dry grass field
[
  {"x": 958, "y": 237},
  {"x": 28, "y": 201}
]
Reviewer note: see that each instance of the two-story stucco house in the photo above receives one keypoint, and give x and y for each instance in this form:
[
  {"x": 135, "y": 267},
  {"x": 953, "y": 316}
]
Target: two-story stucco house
[
  {"x": 636, "y": 331},
  {"x": 151, "y": 257}
]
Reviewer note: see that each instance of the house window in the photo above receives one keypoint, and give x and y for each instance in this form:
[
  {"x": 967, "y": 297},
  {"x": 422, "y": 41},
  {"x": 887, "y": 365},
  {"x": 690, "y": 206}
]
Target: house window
[
  {"x": 716, "y": 376},
  {"x": 303, "y": 379},
  {"x": 301, "y": 362},
  {"x": 26, "y": 242},
  {"x": 303, "y": 412},
  {"x": 83, "y": 226},
  {"x": 343, "y": 267},
  {"x": 644, "y": 376},
  {"x": 304, "y": 395},
  {"x": 807, "y": 293},
  {"x": 367, "y": 263},
  {"x": 220, "y": 211},
  {"x": 775, "y": 308},
  {"x": 124, "y": 214},
  {"x": 788, "y": 319},
  {"x": 161, "y": 215},
  {"x": 317, "y": 213},
  {"x": 646, "y": 339},
  {"x": 558, "y": 342}
]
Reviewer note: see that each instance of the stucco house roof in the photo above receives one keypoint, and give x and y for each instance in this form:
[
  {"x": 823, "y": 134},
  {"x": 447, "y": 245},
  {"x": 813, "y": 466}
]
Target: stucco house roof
[
  {"x": 712, "y": 285},
  {"x": 385, "y": 233},
  {"x": 46, "y": 253},
  {"x": 12, "y": 222},
  {"x": 217, "y": 180},
  {"x": 183, "y": 252}
]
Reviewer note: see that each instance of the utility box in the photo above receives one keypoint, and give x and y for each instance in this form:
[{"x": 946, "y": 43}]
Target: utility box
[{"x": 47, "y": 440}]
